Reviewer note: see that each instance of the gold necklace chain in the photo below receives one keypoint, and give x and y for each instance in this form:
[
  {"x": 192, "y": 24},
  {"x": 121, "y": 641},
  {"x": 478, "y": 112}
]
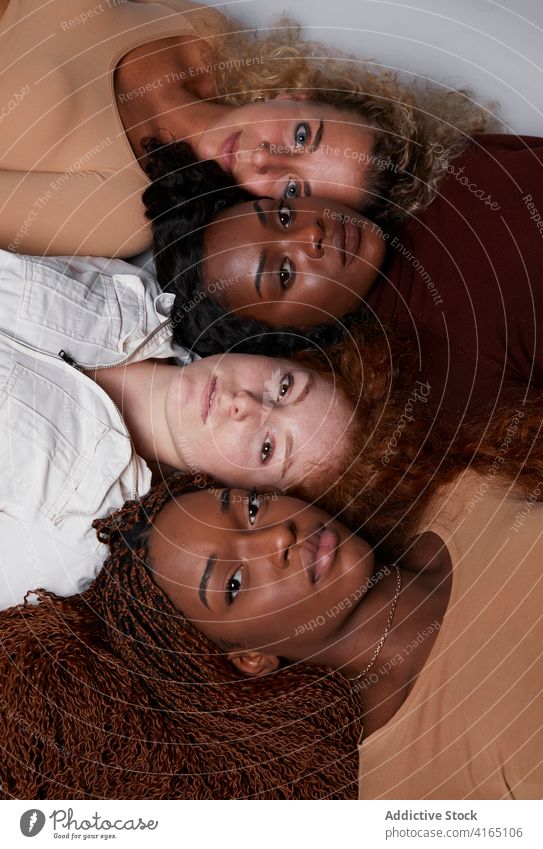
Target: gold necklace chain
[{"x": 381, "y": 642}]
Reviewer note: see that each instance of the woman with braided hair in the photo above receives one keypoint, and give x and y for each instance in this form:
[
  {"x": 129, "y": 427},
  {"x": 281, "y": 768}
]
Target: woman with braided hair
[{"x": 125, "y": 699}]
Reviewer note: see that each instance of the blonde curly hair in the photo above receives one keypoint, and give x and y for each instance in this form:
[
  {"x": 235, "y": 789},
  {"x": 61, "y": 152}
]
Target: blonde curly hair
[{"x": 419, "y": 128}]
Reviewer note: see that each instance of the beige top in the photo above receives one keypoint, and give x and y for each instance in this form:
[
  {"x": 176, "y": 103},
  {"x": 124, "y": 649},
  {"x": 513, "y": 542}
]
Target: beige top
[
  {"x": 69, "y": 181},
  {"x": 471, "y": 727}
]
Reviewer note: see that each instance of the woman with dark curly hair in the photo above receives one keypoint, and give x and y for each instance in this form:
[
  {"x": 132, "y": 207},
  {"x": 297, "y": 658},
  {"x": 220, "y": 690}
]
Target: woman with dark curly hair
[
  {"x": 459, "y": 283},
  {"x": 282, "y": 116}
]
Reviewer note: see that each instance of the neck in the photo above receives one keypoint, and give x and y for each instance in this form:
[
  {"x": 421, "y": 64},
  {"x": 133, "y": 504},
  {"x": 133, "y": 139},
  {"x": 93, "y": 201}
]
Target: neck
[
  {"x": 189, "y": 122},
  {"x": 354, "y": 646},
  {"x": 179, "y": 105},
  {"x": 422, "y": 602},
  {"x": 139, "y": 390}
]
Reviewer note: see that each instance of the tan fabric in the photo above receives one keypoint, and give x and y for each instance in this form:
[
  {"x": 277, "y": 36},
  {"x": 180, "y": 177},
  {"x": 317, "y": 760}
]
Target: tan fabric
[
  {"x": 69, "y": 182},
  {"x": 471, "y": 727}
]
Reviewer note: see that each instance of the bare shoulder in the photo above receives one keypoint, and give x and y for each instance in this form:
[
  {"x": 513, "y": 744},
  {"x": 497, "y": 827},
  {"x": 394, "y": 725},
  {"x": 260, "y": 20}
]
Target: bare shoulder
[{"x": 428, "y": 554}]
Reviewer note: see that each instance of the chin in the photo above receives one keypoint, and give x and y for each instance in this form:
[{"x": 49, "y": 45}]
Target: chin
[{"x": 357, "y": 553}]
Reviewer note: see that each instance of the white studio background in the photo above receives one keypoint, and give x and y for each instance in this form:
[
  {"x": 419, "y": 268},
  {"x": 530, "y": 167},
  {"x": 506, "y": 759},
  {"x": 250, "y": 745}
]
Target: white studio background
[{"x": 495, "y": 47}]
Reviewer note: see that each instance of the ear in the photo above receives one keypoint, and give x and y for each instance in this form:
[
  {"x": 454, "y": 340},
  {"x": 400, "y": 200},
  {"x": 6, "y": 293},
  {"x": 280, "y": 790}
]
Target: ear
[
  {"x": 253, "y": 663},
  {"x": 292, "y": 95}
]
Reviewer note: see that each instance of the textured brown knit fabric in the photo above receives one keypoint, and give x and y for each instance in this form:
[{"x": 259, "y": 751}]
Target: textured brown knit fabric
[{"x": 112, "y": 694}]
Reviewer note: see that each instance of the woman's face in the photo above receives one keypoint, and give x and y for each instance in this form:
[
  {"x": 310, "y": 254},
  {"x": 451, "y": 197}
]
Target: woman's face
[
  {"x": 286, "y": 148},
  {"x": 271, "y": 573},
  {"x": 257, "y": 420},
  {"x": 297, "y": 263}
]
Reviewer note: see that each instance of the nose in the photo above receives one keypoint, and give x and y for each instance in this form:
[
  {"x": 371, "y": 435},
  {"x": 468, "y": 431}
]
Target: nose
[
  {"x": 311, "y": 233},
  {"x": 267, "y": 157},
  {"x": 272, "y": 544},
  {"x": 244, "y": 405}
]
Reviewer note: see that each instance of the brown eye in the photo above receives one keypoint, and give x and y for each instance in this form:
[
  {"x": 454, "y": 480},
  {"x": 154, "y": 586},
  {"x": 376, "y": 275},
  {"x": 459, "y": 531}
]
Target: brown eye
[
  {"x": 254, "y": 506},
  {"x": 285, "y": 385},
  {"x": 285, "y": 274},
  {"x": 233, "y": 586},
  {"x": 267, "y": 450},
  {"x": 285, "y": 215}
]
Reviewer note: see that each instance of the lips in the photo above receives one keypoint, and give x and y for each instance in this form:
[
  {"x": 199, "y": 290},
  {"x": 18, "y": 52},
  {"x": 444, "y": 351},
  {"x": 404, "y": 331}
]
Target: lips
[
  {"x": 353, "y": 234},
  {"x": 318, "y": 553},
  {"x": 339, "y": 237},
  {"x": 346, "y": 238},
  {"x": 209, "y": 398},
  {"x": 227, "y": 158}
]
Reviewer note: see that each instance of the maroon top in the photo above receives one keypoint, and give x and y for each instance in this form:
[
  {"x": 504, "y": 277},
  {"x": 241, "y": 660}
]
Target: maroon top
[{"x": 463, "y": 281}]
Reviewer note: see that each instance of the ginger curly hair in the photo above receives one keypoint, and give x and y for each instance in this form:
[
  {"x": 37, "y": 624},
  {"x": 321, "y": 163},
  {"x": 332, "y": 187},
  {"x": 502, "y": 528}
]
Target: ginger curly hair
[{"x": 383, "y": 489}]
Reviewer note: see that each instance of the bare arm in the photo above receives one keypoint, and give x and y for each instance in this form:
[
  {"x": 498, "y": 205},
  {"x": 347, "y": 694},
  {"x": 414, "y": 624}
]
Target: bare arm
[{"x": 83, "y": 213}]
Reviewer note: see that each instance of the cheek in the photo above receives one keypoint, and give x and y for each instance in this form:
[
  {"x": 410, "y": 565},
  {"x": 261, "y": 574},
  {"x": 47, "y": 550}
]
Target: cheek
[
  {"x": 263, "y": 128},
  {"x": 221, "y": 263},
  {"x": 341, "y": 298},
  {"x": 279, "y": 611},
  {"x": 321, "y": 290},
  {"x": 310, "y": 288},
  {"x": 239, "y": 292},
  {"x": 228, "y": 455},
  {"x": 327, "y": 441},
  {"x": 206, "y": 452}
]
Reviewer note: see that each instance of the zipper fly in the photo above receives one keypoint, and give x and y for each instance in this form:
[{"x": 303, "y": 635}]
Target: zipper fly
[{"x": 85, "y": 367}]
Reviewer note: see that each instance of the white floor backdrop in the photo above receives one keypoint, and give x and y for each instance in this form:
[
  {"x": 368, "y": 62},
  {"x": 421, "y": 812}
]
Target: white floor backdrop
[{"x": 495, "y": 48}]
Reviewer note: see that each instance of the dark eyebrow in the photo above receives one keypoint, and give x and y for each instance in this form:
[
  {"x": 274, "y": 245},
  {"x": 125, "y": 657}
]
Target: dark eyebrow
[
  {"x": 205, "y": 579},
  {"x": 260, "y": 212},
  {"x": 258, "y": 275},
  {"x": 225, "y": 500},
  {"x": 318, "y": 136}
]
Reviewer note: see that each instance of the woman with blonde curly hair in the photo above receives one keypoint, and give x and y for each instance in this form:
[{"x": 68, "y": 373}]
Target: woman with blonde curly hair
[{"x": 81, "y": 89}]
